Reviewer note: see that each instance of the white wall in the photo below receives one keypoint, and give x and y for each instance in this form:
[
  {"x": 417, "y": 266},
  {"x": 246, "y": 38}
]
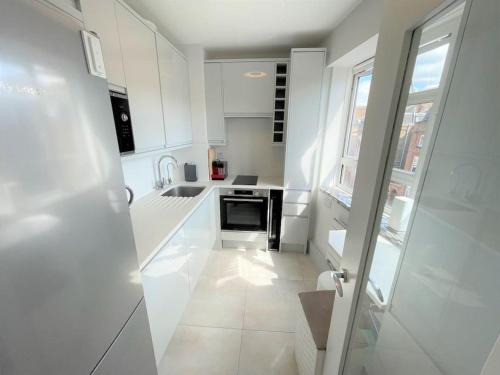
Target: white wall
[
  {"x": 140, "y": 171},
  {"x": 363, "y": 23},
  {"x": 350, "y": 43},
  {"x": 249, "y": 148}
]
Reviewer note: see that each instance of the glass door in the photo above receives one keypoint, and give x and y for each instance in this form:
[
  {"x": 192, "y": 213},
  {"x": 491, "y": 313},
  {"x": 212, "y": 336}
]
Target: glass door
[{"x": 431, "y": 298}]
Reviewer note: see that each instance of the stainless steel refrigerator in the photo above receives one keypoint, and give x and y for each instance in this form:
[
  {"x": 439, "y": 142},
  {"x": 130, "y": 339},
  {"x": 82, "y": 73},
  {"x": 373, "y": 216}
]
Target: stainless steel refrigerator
[{"x": 71, "y": 300}]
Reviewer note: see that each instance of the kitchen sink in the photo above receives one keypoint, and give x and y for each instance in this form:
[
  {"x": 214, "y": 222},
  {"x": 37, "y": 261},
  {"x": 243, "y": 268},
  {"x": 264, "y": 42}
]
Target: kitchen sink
[{"x": 184, "y": 191}]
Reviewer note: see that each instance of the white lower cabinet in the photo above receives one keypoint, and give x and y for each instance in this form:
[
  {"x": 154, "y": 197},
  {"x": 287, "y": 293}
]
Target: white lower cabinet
[
  {"x": 200, "y": 237},
  {"x": 166, "y": 290},
  {"x": 170, "y": 278},
  {"x": 295, "y": 230}
]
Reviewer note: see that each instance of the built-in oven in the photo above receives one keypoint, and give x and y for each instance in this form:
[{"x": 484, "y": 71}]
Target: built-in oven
[
  {"x": 123, "y": 123},
  {"x": 243, "y": 210}
]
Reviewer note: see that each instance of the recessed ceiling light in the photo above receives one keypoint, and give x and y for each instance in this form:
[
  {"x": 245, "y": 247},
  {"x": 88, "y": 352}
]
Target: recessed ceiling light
[{"x": 255, "y": 74}]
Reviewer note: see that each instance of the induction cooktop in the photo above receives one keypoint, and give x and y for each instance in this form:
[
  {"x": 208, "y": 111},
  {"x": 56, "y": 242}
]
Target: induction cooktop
[{"x": 245, "y": 180}]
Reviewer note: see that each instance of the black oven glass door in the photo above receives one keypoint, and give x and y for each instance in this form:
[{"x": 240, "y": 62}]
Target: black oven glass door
[{"x": 245, "y": 214}]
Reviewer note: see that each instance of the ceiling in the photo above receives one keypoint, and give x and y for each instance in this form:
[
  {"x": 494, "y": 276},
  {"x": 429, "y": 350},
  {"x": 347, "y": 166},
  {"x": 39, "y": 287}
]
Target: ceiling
[{"x": 235, "y": 28}]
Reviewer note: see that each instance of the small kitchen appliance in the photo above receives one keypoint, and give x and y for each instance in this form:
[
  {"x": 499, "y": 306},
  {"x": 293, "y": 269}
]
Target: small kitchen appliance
[
  {"x": 219, "y": 170},
  {"x": 190, "y": 174}
]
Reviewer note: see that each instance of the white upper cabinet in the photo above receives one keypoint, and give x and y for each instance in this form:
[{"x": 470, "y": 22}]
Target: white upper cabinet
[
  {"x": 306, "y": 78},
  {"x": 176, "y": 100},
  {"x": 140, "y": 63},
  {"x": 99, "y": 16},
  {"x": 248, "y": 88},
  {"x": 215, "y": 104}
]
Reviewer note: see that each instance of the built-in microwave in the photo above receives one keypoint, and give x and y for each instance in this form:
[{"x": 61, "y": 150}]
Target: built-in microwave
[
  {"x": 243, "y": 210},
  {"x": 123, "y": 123}
]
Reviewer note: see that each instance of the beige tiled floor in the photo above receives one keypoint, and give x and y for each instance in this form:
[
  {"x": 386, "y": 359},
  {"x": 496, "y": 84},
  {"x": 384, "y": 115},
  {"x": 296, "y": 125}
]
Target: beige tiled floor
[{"x": 241, "y": 317}]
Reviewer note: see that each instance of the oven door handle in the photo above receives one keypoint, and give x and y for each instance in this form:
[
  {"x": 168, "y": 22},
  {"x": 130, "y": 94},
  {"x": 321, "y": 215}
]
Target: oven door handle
[{"x": 243, "y": 200}]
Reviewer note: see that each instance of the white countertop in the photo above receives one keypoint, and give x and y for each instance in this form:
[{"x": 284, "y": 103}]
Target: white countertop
[{"x": 155, "y": 219}]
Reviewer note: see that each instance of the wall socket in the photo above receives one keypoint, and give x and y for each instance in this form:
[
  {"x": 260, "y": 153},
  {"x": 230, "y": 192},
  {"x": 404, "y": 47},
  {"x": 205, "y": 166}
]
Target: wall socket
[{"x": 220, "y": 155}]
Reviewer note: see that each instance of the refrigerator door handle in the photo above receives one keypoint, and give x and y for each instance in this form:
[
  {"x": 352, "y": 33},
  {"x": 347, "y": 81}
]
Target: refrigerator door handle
[{"x": 130, "y": 195}]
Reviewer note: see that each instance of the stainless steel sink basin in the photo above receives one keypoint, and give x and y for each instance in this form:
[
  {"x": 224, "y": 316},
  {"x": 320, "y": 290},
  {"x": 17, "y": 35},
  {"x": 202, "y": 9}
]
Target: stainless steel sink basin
[{"x": 184, "y": 191}]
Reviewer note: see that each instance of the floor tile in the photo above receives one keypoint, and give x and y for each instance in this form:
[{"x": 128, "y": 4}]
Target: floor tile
[
  {"x": 273, "y": 265},
  {"x": 227, "y": 264},
  {"x": 267, "y": 353},
  {"x": 247, "y": 299},
  {"x": 217, "y": 302},
  {"x": 204, "y": 351},
  {"x": 307, "y": 268},
  {"x": 272, "y": 306}
]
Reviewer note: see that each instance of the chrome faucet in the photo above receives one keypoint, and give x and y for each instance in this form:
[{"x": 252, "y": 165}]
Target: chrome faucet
[{"x": 160, "y": 184}]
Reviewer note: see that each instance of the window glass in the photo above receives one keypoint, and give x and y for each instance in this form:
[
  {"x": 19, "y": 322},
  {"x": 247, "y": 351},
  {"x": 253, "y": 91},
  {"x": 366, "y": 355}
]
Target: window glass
[
  {"x": 347, "y": 176},
  {"x": 429, "y": 69},
  {"x": 358, "y": 114},
  {"x": 415, "y": 121},
  {"x": 397, "y": 189}
]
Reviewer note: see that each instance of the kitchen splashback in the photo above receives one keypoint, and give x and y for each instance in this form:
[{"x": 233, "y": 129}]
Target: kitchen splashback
[{"x": 249, "y": 149}]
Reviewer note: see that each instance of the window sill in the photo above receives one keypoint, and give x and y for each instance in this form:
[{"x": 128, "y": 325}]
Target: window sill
[{"x": 340, "y": 196}]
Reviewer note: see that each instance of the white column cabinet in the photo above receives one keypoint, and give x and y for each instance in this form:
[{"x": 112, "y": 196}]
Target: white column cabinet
[
  {"x": 140, "y": 63},
  {"x": 248, "y": 88},
  {"x": 304, "y": 100},
  {"x": 214, "y": 95},
  {"x": 100, "y": 17},
  {"x": 176, "y": 100},
  {"x": 169, "y": 279}
]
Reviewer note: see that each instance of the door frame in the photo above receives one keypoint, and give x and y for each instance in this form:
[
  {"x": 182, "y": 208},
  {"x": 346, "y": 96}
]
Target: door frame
[{"x": 399, "y": 21}]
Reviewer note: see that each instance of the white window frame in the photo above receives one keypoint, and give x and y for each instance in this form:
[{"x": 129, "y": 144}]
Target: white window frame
[
  {"x": 421, "y": 97},
  {"x": 359, "y": 71},
  {"x": 415, "y": 98}
]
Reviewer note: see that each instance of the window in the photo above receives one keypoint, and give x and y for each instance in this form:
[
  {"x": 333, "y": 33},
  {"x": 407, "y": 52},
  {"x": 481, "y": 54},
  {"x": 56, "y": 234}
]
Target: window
[
  {"x": 418, "y": 118},
  {"x": 362, "y": 79}
]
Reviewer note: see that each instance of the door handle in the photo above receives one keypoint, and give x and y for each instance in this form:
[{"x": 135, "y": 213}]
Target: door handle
[
  {"x": 131, "y": 195},
  {"x": 336, "y": 276}
]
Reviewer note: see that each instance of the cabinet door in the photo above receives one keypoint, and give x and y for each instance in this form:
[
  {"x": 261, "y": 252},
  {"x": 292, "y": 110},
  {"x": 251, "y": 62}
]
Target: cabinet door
[
  {"x": 176, "y": 100},
  {"x": 140, "y": 62},
  {"x": 200, "y": 237},
  {"x": 216, "y": 130},
  {"x": 166, "y": 291},
  {"x": 132, "y": 352},
  {"x": 245, "y": 92},
  {"x": 294, "y": 230},
  {"x": 306, "y": 77},
  {"x": 100, "y": 17}
]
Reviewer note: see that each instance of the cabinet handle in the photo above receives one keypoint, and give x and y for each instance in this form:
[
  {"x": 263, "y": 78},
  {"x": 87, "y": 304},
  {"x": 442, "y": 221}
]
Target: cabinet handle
[{"x": 243, "y": 200}]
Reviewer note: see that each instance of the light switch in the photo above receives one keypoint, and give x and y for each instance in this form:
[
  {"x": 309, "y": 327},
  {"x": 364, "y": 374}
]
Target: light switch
[{"x": 93, "y": 54}]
